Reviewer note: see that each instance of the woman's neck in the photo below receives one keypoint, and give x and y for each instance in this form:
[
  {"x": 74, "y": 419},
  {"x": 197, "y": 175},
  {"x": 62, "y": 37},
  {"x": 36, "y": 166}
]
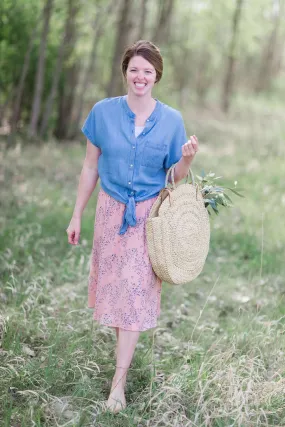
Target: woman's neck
[{"x": 141, "y": 105}]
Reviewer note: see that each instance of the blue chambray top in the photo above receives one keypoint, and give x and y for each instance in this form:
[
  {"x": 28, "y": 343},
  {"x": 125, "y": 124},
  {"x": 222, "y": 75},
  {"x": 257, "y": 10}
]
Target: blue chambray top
[{"x": 134, "y": 169}]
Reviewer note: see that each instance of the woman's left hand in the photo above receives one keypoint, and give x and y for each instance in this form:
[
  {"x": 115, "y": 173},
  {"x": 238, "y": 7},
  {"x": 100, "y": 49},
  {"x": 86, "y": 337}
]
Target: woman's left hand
[{"x": 190, "y": 148}]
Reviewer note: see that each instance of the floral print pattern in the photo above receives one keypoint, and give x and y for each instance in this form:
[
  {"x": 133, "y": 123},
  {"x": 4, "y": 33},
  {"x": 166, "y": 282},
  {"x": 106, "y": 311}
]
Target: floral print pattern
[{"x": 122, "y": 288}]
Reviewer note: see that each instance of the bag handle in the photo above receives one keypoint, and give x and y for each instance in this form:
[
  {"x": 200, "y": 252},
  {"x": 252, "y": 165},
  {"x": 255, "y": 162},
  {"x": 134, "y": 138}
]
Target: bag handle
[{"x": 171, "y": 171}]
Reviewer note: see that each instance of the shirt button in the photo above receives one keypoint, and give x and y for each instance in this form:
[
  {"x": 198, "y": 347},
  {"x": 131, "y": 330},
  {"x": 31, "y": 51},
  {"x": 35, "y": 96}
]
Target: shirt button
[
  {"x": 143, "y": 133},
  {"x": 131, "y": 166},
  {"x": 129, "y": 182},
  {"x": 134, "y": 146}
]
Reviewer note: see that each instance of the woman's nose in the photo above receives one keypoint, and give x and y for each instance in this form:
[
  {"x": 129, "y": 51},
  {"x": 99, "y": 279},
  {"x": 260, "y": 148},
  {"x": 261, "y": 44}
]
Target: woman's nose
[{"x": 140, "y": 74}]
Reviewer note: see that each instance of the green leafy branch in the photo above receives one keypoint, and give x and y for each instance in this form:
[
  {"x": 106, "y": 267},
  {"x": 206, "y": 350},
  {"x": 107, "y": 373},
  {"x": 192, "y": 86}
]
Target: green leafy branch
[{"x": 215, "y": 195}]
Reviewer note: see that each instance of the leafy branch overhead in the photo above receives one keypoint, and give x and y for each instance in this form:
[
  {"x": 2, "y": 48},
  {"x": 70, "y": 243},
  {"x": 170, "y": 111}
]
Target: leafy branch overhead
[{"x": 215, "y": 195}]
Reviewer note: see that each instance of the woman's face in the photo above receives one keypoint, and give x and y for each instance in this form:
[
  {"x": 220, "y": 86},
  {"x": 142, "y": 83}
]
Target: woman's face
[{"x": 140, "y": 76}]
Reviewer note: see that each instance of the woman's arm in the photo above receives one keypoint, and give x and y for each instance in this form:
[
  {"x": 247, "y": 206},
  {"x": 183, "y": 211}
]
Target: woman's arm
[
  {"x": 181, "y": 169},
  {"x": 88, "y": 178},
  {"x": 87, "y": 182}
]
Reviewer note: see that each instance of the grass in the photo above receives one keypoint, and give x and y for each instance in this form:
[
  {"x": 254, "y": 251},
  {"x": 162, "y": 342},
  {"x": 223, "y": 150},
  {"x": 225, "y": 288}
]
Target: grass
[{"x": 217, "y": 355}]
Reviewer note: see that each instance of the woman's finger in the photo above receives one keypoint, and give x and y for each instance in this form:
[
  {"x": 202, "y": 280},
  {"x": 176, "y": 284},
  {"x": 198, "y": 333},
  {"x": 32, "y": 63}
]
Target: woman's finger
[
  {"x": 188, "y": 150},
  {"x": 194, "y": 142},
  {"x": 193, "y": 145},
  {"x": 76, "y": 237},
  {"x": 71, "y": 237}
]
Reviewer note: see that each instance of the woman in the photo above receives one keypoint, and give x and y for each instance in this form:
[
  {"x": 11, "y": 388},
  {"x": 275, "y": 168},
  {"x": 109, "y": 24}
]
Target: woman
[{"x": 131, "y": 142}]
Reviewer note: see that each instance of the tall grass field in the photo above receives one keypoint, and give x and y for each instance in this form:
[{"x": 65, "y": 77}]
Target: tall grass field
[{"x": 217, "y": 356}]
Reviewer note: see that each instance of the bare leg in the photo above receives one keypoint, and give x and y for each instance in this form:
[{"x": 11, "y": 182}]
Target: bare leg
[
  {"x": 125, "y": 350},
  {"x": 117, "y": 336}
]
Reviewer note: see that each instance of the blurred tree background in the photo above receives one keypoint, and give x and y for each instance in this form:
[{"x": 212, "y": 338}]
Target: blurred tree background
[{"x": 58, "y": 57}]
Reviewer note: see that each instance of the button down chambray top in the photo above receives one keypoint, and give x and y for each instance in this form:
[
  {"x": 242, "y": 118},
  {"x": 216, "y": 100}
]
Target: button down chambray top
[{"x": 134, "y": 169}]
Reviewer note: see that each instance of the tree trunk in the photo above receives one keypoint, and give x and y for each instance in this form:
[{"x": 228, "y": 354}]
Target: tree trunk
[
  {"x": 56, "y": 74},
  {"x": 20, "y": 88},
  {"x": 98, "y": 31},
  {"x": 280, "y": 59},
  {"x": 116, "y": 87},
  {"x": 67, "y": 87},
  {"x": 181, "y": 58},
  {"x": 5, "y": 106},
  {"x": 66, "y": 102},
  {"x": 40, "y": 70},
  {"x": 269, "y": 62},
  {"x": 204, "y": 76},
  {"x": 142, "y": 22},
  {"x": 161, "y": 32},
  {"x": 229, "y": 78}
]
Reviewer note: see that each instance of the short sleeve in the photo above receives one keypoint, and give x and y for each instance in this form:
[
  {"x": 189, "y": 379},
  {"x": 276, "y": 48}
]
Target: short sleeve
[
  {"x": 175, "y": 148},
  {"x": 90, "y": 126}
]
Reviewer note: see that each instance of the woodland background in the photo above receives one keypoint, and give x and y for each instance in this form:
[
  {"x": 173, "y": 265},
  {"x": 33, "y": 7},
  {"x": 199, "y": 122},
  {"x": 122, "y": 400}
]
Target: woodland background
[
  {"x": 59, "y": 57},
  {"x": 217, "y": 355}
]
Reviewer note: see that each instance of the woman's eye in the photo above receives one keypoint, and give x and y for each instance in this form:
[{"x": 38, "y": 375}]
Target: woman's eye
[{"x": 147, "y": 71}]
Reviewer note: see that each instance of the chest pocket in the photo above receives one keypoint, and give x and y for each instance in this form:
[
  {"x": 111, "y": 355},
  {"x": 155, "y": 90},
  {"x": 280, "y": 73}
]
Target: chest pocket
[{"x": 153, "y": 156}]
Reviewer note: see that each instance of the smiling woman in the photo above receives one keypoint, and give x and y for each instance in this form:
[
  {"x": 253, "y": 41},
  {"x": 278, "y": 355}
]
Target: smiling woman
[{"x": 131, "y": 142}]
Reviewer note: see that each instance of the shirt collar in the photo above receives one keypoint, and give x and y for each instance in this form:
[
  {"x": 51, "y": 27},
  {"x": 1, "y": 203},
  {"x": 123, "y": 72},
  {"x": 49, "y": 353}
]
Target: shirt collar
[{"x": 154, "y": 115}]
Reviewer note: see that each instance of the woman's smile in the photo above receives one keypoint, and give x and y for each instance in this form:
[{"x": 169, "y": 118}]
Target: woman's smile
[{"x": 140, "y": 86}]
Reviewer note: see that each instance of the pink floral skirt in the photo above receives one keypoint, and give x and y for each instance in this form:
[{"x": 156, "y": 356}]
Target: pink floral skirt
[{"x": 122, "y": 288}]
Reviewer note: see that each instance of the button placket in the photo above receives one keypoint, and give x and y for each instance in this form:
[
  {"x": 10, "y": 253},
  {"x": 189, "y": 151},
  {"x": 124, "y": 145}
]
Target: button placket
[
  {"x": 131, "y": 168},
  {"x": 132, "y": 158}
]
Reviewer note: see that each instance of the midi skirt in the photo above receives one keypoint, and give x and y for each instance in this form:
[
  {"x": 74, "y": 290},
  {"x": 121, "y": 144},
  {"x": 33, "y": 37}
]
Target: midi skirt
[{"x": 122, "y": 286}]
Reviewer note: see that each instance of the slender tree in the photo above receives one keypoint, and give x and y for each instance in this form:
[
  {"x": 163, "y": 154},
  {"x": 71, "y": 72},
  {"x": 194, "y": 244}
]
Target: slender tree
[
  {"x": 99, "y": 26},
  {"x": 40, "y": 69},
  {"x": 66, "y": 93},
  {"x": 115, "y": 86},
  {"x": 229, "y": 76},
  {"x": 161, "y": 32},
  {"x": 271, "y": 54},
  {"x": 56, "y": 75},
  {"x": 140, "y": 34},
  {"x": 6, "y": 105},
  {"x": 20, "y": 88}
]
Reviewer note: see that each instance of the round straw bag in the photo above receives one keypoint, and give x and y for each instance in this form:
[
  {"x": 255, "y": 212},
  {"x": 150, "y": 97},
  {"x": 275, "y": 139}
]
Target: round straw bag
[{"x": 178, "y": 232}]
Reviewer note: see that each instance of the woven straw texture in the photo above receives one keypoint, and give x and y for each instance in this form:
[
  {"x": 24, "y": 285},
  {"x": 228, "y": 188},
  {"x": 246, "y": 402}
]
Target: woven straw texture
[{"x": 178, "y": 233}]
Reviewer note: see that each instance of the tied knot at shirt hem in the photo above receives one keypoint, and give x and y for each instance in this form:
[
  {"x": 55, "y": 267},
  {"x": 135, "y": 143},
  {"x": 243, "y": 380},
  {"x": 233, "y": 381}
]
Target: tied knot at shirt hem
[{"x": 129, "y": 217}]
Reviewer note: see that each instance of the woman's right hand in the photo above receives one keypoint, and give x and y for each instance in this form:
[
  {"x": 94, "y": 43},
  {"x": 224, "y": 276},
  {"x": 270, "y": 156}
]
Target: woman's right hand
[{"x": 73, "y": 230}]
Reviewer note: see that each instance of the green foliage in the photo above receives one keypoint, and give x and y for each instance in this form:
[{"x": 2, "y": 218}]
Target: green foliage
[
  {"x": 17, "y": 21},
  {"x": 214, "y": 194}
]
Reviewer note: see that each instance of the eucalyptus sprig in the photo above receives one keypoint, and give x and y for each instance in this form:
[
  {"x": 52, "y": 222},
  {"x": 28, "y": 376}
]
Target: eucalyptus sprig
[{"x": 215, "y": 195}]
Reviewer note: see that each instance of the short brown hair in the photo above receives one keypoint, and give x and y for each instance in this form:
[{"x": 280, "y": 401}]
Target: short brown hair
[{"x": 148, "y": 51}]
